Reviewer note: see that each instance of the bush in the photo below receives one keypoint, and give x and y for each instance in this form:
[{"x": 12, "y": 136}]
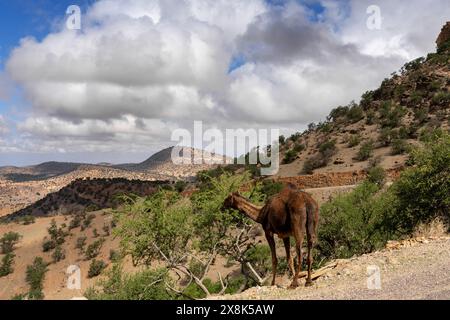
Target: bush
[
  {"x": 95, "y": 268},
  {"x": 81, "y": 243},
  {"x": 391, "y": 115},
  {"x": 6, "y": 266},
  {"x": 59, "y": 254},
  {"x": 87, "y": 221},
  {"x": 423, "y": 191},
  {"x": 260, "y": 257},
  {"x": 75, "y": 222},
  {"x": 35, "y": 276},
  {"x": 27, "y": 220},
  {"x": 144, "y": 285},
  {"x": 441, "y": 98},
  {"x": 93, "y": 250},
  {"x": 355, "y": 113},
  {"x": 376, "y": 175},
  {"x": 365, "y": 151},
  {"x": 114, "y": 256},
  {"x": 370, "y": 117},
  {"x": 399, "y": 146},
  {"x": 48, "y": 245},
  {"x": 8, "y": 241},
  {"x": 271, "y": 187},
  {"x": 353, "y": 223},
  {"x": 290, "y": 156},
  {"x": 354, "y": 140}
]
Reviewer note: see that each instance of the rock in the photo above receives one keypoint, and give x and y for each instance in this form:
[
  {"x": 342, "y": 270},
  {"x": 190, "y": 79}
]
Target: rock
[{"x": 444, "y": 36}]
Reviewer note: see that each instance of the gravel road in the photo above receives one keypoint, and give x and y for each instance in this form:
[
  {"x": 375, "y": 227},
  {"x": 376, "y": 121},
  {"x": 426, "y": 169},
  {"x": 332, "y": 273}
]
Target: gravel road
[{"x": 416, "y": 270}]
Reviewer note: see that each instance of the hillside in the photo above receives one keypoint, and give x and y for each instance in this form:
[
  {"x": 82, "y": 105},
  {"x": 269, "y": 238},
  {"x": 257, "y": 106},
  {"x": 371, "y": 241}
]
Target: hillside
[
  {"x": 83, "y": 195},
  {"x": 381, "y": 127}
]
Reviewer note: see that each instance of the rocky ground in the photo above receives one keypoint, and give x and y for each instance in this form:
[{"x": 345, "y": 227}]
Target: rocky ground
[{"x": 414, "y": 269}]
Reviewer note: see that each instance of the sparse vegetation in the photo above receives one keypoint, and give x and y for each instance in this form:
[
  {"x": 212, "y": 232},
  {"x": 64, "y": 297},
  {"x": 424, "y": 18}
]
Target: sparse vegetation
[
  {"x": 35, "y": 276},
  {"x": 354, "y": 140},
  {"x": 93, "y": 250},
  {"x": 81, "y": 244},
  {"x": 59, "y": 254},
  {"x": 8, "y": 241},
  {"x": 95, "y": 268},
  {"x": 365, "y": 151},
  {"x": 399, "y": 146},
  {"x": 6, "y": 267}
]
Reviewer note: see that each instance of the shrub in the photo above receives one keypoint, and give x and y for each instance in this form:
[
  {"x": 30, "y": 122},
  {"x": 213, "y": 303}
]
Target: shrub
[
  {"x": 370, "y": 117},
  {"x": 354, "y": 140},
  {"x": 355, "y": 113},
  {"x": 144, "y": 285},
  {"x": 260, "y": 257},
  {"x": 6, "y": 266},
  {"x": 35, "y": 276},
  {"x": 106, "y": 229},
  {"x": 114, "y": 256},
  {"x": 48, "y": 245},
  {"x": 58, "y": 254},
  {"x": 423, "y": 191},
  {"x": 399, "y": 146},
  {"x": 353, "y": 223},
  {"x": 8, "y": 241},
  {"x": 376, "y": 175},
  {"x": 281, "y": 140},
  {"x": 337, "y": 113},
  {"x": 365, "y": 151},
  {"x": 81, "y": 243},
  {"x": 298, "y": 147},
  {"x": 441, "y": 98},
  {"x": 391, "y": 115},
  {"x": 93, "y": 250},
  {"x": 328, "y": 149},
  {"x": 387, "y": 136},
  {"x": 87, "y": 221},
  {"x": 290, "y": 156},
  {"x": 95, "y": 268},
  {"x": 75, "y": 222},
  {"x": 27, "y": 220},
  {"x": 366, "y": 99},
  {"x": 95, "y": 233},
  {"x": 271, "y": 187}
]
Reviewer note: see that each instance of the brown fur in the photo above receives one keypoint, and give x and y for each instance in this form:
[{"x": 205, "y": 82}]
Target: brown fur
[{"x": 290, "y": 213}]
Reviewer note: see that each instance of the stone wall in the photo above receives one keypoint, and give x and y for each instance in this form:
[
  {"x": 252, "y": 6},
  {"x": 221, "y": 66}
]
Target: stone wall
[
  {"x": 444, "y": 36},
  {"x": 333, "y": 179}
]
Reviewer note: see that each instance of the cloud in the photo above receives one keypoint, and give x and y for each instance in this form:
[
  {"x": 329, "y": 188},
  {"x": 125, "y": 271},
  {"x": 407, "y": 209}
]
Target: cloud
[
  {"x": 140, "y": 68},
  {"x": 3, "y": 126}
]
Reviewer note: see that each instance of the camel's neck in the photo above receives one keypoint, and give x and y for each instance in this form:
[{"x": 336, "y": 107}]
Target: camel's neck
[{"x": 249, "y": 209}]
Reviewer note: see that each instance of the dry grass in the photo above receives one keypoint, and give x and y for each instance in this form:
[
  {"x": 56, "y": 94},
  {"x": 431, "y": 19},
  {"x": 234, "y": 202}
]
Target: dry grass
[{"x": 436, "y": 228}]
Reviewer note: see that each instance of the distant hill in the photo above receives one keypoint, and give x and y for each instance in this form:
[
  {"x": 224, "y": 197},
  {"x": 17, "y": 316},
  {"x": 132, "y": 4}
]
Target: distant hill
[
  {"x": 87, "y": 195},
  {"x": 159, "y": 164}
]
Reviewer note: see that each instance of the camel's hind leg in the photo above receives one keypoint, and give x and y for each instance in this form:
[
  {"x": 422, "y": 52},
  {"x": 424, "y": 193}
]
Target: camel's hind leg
[
  {"x": 309, "y": 262},
  {"x": 290, "y": 260},
  {"x": 271, "y": 241},
  {"x": 298, "y": 235}
]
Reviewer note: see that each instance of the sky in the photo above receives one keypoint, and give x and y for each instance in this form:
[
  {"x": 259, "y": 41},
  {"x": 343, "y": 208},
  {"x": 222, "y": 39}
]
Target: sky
[{"x": 115, "y": 90}]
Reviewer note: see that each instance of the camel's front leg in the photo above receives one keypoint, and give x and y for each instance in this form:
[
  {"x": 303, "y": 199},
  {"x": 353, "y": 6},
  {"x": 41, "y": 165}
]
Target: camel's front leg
[{"x": 271, "y": 241}]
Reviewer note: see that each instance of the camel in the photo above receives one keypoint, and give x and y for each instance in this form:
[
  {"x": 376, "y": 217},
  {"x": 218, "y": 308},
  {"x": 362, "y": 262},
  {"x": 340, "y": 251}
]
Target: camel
[{"x": 289, "y": 213}]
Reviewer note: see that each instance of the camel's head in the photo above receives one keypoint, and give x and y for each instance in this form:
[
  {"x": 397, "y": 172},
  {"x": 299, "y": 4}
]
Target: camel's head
[{"x": 230, "y": 201}]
